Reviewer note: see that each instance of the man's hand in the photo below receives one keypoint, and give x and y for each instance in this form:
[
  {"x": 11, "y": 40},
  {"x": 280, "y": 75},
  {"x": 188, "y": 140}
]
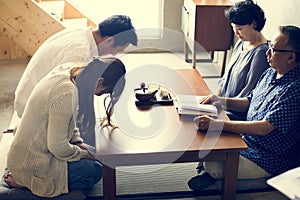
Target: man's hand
[{"x": 203, "y": 122}]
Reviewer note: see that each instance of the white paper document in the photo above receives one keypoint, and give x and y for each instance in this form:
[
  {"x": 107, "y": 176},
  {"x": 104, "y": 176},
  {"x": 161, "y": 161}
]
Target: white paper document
[
  {"x": 189, "y": 105},
  {"x": 288, "y": 183}
]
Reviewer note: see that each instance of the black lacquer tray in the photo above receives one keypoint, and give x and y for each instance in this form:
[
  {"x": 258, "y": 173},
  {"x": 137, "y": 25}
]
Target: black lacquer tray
[{"x": 157, "y": 99}]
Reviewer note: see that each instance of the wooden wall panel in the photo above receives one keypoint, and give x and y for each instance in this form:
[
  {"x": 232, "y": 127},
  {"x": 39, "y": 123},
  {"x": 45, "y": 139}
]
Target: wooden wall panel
[
  {"x": 10, "y": 50},
  {"x": 26, "y": 25}
]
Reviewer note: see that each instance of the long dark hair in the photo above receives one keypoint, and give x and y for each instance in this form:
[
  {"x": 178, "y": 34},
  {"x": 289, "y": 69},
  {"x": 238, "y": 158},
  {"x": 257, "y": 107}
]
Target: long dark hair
[{"x": 112, "y": 70}]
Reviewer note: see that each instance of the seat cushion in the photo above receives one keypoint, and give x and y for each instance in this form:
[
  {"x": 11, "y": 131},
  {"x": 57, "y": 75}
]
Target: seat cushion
[{"x": 248, "y": 184}]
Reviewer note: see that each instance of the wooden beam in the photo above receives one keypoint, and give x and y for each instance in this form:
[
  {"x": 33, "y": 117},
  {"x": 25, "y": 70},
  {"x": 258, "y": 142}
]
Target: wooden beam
[{"x": 72, "y": 10}]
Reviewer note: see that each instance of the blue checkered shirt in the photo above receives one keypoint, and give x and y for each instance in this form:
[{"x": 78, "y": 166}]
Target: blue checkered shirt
[{"x": 278, "y": 102}]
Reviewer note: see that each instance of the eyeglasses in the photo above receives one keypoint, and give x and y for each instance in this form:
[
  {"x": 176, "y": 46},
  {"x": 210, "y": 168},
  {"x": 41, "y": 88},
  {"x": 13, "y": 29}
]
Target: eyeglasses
[{"x": 277, "y": 50}]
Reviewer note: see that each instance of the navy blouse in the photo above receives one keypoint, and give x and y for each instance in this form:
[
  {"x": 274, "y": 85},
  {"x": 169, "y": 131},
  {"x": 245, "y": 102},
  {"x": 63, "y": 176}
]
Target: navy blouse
[{"x": 243, "y": 71}]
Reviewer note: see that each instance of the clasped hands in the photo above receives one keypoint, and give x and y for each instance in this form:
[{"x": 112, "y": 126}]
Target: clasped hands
[
  {"x": 205, "y": 122},
  {"x": 86, "y": 154}
]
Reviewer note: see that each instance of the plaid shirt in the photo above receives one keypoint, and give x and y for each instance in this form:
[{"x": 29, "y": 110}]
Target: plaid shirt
[{"x": 278, "y": 102}]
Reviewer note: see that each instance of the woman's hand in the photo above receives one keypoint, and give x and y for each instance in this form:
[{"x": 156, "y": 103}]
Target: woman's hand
[
  {"x": 88, "y": 155},
  {"x": 81, "y": 145},
  {"x": 213, "y": 99},
  {"x": 205, "y": 99},
  {"x": 86, "y": 152}
]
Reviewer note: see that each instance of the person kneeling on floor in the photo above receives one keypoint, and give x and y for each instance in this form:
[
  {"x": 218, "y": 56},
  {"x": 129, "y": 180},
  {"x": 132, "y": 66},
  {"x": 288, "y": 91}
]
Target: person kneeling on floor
[{"x": 49, "y": 155}]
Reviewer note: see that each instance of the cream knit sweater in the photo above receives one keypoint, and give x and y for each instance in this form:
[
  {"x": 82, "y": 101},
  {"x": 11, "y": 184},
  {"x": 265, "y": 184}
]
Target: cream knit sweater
[{"x": 41, "y": 147}]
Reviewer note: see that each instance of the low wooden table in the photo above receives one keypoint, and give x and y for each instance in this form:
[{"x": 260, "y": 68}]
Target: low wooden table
[{"x": 158, "y": 135}]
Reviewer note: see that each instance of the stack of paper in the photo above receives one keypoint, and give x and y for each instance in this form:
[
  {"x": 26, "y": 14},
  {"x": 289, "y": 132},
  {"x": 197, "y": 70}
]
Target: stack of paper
[
  {"x": 189, "y": 105},
  {"x": 287, "y": 183}
]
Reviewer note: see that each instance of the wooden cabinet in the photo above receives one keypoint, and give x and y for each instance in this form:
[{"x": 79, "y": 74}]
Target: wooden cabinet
[{"x": 205, "y": 27}]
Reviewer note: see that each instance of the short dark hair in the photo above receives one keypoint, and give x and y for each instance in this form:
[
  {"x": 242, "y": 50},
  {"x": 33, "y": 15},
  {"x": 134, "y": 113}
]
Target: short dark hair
[
  {"x": 293, "y": 41},
  {"x": 246, "y": 12},
  {"x": 119, "y": 27}
]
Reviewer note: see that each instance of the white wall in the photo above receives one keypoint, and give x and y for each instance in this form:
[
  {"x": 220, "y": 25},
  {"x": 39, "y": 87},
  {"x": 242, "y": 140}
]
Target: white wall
[
  {"x": 279, "y": 12},
  {"x": 172, "y": 39}
]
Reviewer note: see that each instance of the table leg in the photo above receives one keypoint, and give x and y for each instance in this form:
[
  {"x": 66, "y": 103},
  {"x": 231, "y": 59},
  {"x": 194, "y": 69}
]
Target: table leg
[
  {"x": 194, "y": 57},
  {"x": 109, "y": 182},
  {"x": 186, "y": 51},
  {"x": 224, "y": 63},
  {"x": 212, "y": 55},
  {"x": 230, "y": 176}
]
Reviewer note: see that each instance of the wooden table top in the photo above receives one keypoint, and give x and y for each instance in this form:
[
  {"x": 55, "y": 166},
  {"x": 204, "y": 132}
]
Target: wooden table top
[{"x": 159, "y": 129}]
